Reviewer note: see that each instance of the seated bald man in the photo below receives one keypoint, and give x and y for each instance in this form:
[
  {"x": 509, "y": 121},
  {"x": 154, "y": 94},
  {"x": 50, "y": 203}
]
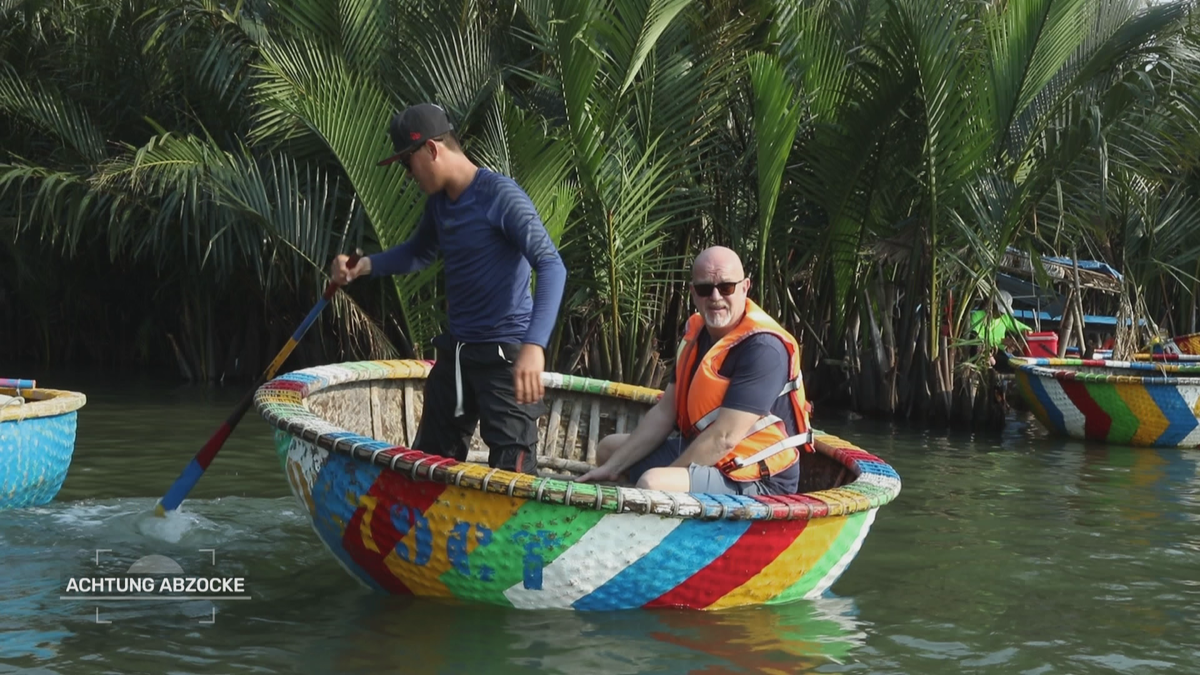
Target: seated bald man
[{"x": 733, "y": 419}]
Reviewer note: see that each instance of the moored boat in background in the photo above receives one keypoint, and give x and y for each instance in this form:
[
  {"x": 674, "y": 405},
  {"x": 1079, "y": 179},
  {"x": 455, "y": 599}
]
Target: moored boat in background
[
  {"x": 1145, "y": 403},
  {"x": 37, "y": 441}
]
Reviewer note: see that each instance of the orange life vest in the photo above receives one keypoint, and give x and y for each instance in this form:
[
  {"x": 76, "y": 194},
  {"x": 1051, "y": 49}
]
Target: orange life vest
[{"x": 767, "y": 449}]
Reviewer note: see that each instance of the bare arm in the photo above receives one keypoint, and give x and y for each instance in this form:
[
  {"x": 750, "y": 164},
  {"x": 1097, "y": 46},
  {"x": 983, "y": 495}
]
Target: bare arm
[
  {"x": 719, "y": 439},
  {"x": 649, "y": 434},
  {"x": 761, "y": 369}
]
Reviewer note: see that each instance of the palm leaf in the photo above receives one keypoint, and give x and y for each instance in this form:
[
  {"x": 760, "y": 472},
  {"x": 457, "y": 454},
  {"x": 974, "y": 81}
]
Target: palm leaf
[
  {"x": 778, "y": 108},
  {"x": 52, "y": 114}
]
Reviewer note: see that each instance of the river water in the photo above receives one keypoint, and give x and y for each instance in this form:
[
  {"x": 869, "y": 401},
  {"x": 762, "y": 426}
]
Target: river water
[{"x": 1004, "y": 553}]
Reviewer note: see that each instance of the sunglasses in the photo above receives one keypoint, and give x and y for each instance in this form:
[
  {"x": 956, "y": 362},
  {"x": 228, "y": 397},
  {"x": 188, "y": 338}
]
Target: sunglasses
[
  {"x": 726, "y": 288},
  {"x": 406, "y": 159}
]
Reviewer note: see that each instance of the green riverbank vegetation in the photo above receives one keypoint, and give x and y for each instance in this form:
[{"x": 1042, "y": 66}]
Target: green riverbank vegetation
[{"x": 175, "y": 176}]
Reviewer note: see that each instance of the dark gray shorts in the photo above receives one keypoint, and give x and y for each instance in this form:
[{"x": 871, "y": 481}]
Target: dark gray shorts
[{"x": 705, "y": 479}]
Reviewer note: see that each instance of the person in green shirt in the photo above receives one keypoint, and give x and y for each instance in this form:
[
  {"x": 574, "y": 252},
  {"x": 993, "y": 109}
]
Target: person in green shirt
[
  {"x": 994, "y": 331},
  {"x": 997, "y": 329}
]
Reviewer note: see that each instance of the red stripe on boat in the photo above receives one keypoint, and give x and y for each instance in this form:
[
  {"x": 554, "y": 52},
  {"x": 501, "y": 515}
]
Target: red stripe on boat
[
  {"x": 813, "y": 506},
  {"x": 389, "y": 490},
  {"x": 398, "y": 488},
  {"x": 1096, "y": 422},
  {"x": 758, "y": 546},
  {"x": 370, "y": 561},
  {"x": 779, "y": 507}
]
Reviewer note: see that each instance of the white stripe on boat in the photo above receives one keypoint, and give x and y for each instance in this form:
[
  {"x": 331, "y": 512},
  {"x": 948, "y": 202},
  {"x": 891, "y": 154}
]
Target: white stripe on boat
[
  {"x": 841, "y": 565},
  {"x": 615, "y": 542}
]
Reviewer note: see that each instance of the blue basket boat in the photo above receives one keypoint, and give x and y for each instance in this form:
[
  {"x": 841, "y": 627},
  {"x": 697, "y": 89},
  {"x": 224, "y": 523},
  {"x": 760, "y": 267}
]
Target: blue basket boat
[{"x": 37, "y": 439}]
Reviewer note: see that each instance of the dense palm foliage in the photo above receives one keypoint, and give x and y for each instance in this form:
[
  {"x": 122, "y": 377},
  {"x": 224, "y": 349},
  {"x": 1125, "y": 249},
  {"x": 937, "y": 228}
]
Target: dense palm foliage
[{"x": 172, "y": 174}]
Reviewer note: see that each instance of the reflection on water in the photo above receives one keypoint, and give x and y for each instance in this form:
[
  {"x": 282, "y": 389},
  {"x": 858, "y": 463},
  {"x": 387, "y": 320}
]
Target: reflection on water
[
  {"x": 1017, "y": 553},
  {"x": 30, "y": 615},
  {"x": 449, "y": 638},
  {"x": 305, "y": 610},
  {"x": 1158, "y": 482},
  {"x": 795, "y": 638}
]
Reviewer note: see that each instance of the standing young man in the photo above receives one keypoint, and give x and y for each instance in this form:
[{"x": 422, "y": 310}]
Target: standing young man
[{"x": 489, "y": 363}]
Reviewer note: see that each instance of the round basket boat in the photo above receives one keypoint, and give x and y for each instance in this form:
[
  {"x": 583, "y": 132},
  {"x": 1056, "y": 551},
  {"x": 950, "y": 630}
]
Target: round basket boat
[
  {"x": 37, "y": 439},
  {"x": 406, "y": 522},
  {"x": 1181, "y": 348},
  {"x": 1131, "y": 403},
  {"x": 1187, "y": 344}
]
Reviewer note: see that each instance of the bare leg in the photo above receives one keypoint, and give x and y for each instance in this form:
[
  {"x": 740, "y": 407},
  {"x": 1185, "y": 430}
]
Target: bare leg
[{"x": 667, "y": 479}]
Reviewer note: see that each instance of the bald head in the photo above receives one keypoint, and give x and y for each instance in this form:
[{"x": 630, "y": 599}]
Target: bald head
[
  {"x": 719, "y": 287},
  {"x": 718, "y": 259}
]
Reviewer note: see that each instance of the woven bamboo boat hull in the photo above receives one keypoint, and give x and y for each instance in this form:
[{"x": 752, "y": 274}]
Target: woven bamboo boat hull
[
  {"x": 1128, "y": 403},
  {"x": 405, "y": 522},
  {"x": 37, "y": 440}
]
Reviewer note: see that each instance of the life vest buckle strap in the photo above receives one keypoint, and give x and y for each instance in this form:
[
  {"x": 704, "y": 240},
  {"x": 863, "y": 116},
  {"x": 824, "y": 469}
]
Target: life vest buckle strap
[
  {"x": 762, "y": 423},
  {"x": 770, "y": 451},
  {"x": 792, "y": 385},
  {"x": 706, "y": 421}
]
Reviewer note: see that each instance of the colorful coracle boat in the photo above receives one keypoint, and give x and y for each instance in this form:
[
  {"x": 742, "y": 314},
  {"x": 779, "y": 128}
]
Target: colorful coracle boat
[
  {"x": 1131, "y": 403},
  {"x": 37, "y": 440},
  {"x": 1180, "y": 349},
  {"x": 409, "y": 523},
  {"x": 1184, "y": 344}
]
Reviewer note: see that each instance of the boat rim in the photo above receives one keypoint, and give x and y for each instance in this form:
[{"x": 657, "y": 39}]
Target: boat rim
[
  {"x": 1157, "y": 372},
  {"x": 39, "y": 403},
  {"x": 281, "y": 402}
]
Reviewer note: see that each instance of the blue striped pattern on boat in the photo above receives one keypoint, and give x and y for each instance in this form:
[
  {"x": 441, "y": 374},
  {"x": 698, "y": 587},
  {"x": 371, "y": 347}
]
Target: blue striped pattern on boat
[
  {"x": 1180, "y": 418},
  {"x": 1052, "y": 411},
  {"x": 688, "y": 549},
  {"x": 876, "y": 468}
]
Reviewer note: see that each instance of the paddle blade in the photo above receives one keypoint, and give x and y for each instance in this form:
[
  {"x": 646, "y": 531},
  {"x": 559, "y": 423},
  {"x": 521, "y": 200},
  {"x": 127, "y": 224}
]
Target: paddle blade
[{"x": 195, "y": 469}]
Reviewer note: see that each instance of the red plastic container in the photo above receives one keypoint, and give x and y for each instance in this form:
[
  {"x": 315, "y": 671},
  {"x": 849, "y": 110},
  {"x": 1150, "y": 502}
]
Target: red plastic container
[{"x": 1042, "y": 345}]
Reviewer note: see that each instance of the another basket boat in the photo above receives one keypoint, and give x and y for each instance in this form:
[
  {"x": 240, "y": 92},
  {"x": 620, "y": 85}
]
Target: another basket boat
[
  {"x": 37, "y": 440},
  {"x": 1131, "y": 403},
  {"x": 1185, "y": 344},
  {"x": 409, "y": 523},
  {"x": 1179, "y": 349}
]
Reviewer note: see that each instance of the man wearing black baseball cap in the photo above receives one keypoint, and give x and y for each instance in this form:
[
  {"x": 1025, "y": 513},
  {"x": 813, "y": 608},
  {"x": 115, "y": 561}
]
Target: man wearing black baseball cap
[
  {"x": 491, "y": 238},
  {"x": 411, "y": 128}
]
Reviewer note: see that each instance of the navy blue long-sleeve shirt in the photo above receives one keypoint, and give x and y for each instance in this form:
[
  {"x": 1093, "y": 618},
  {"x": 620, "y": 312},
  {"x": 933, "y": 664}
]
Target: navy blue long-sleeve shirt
[{"x": 491, "y": 239}]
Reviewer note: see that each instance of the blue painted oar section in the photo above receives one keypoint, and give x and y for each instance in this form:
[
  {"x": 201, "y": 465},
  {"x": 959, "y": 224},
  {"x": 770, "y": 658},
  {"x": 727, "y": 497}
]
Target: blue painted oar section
[{"x": 195, "y": 469}]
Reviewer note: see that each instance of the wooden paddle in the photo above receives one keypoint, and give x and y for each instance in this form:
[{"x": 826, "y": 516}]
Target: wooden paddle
[{"x": 196, "y": 468}]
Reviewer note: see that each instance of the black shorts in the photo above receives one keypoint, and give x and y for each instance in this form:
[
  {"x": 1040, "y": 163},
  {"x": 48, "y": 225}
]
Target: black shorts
[{"x": 473, "y": 384}]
